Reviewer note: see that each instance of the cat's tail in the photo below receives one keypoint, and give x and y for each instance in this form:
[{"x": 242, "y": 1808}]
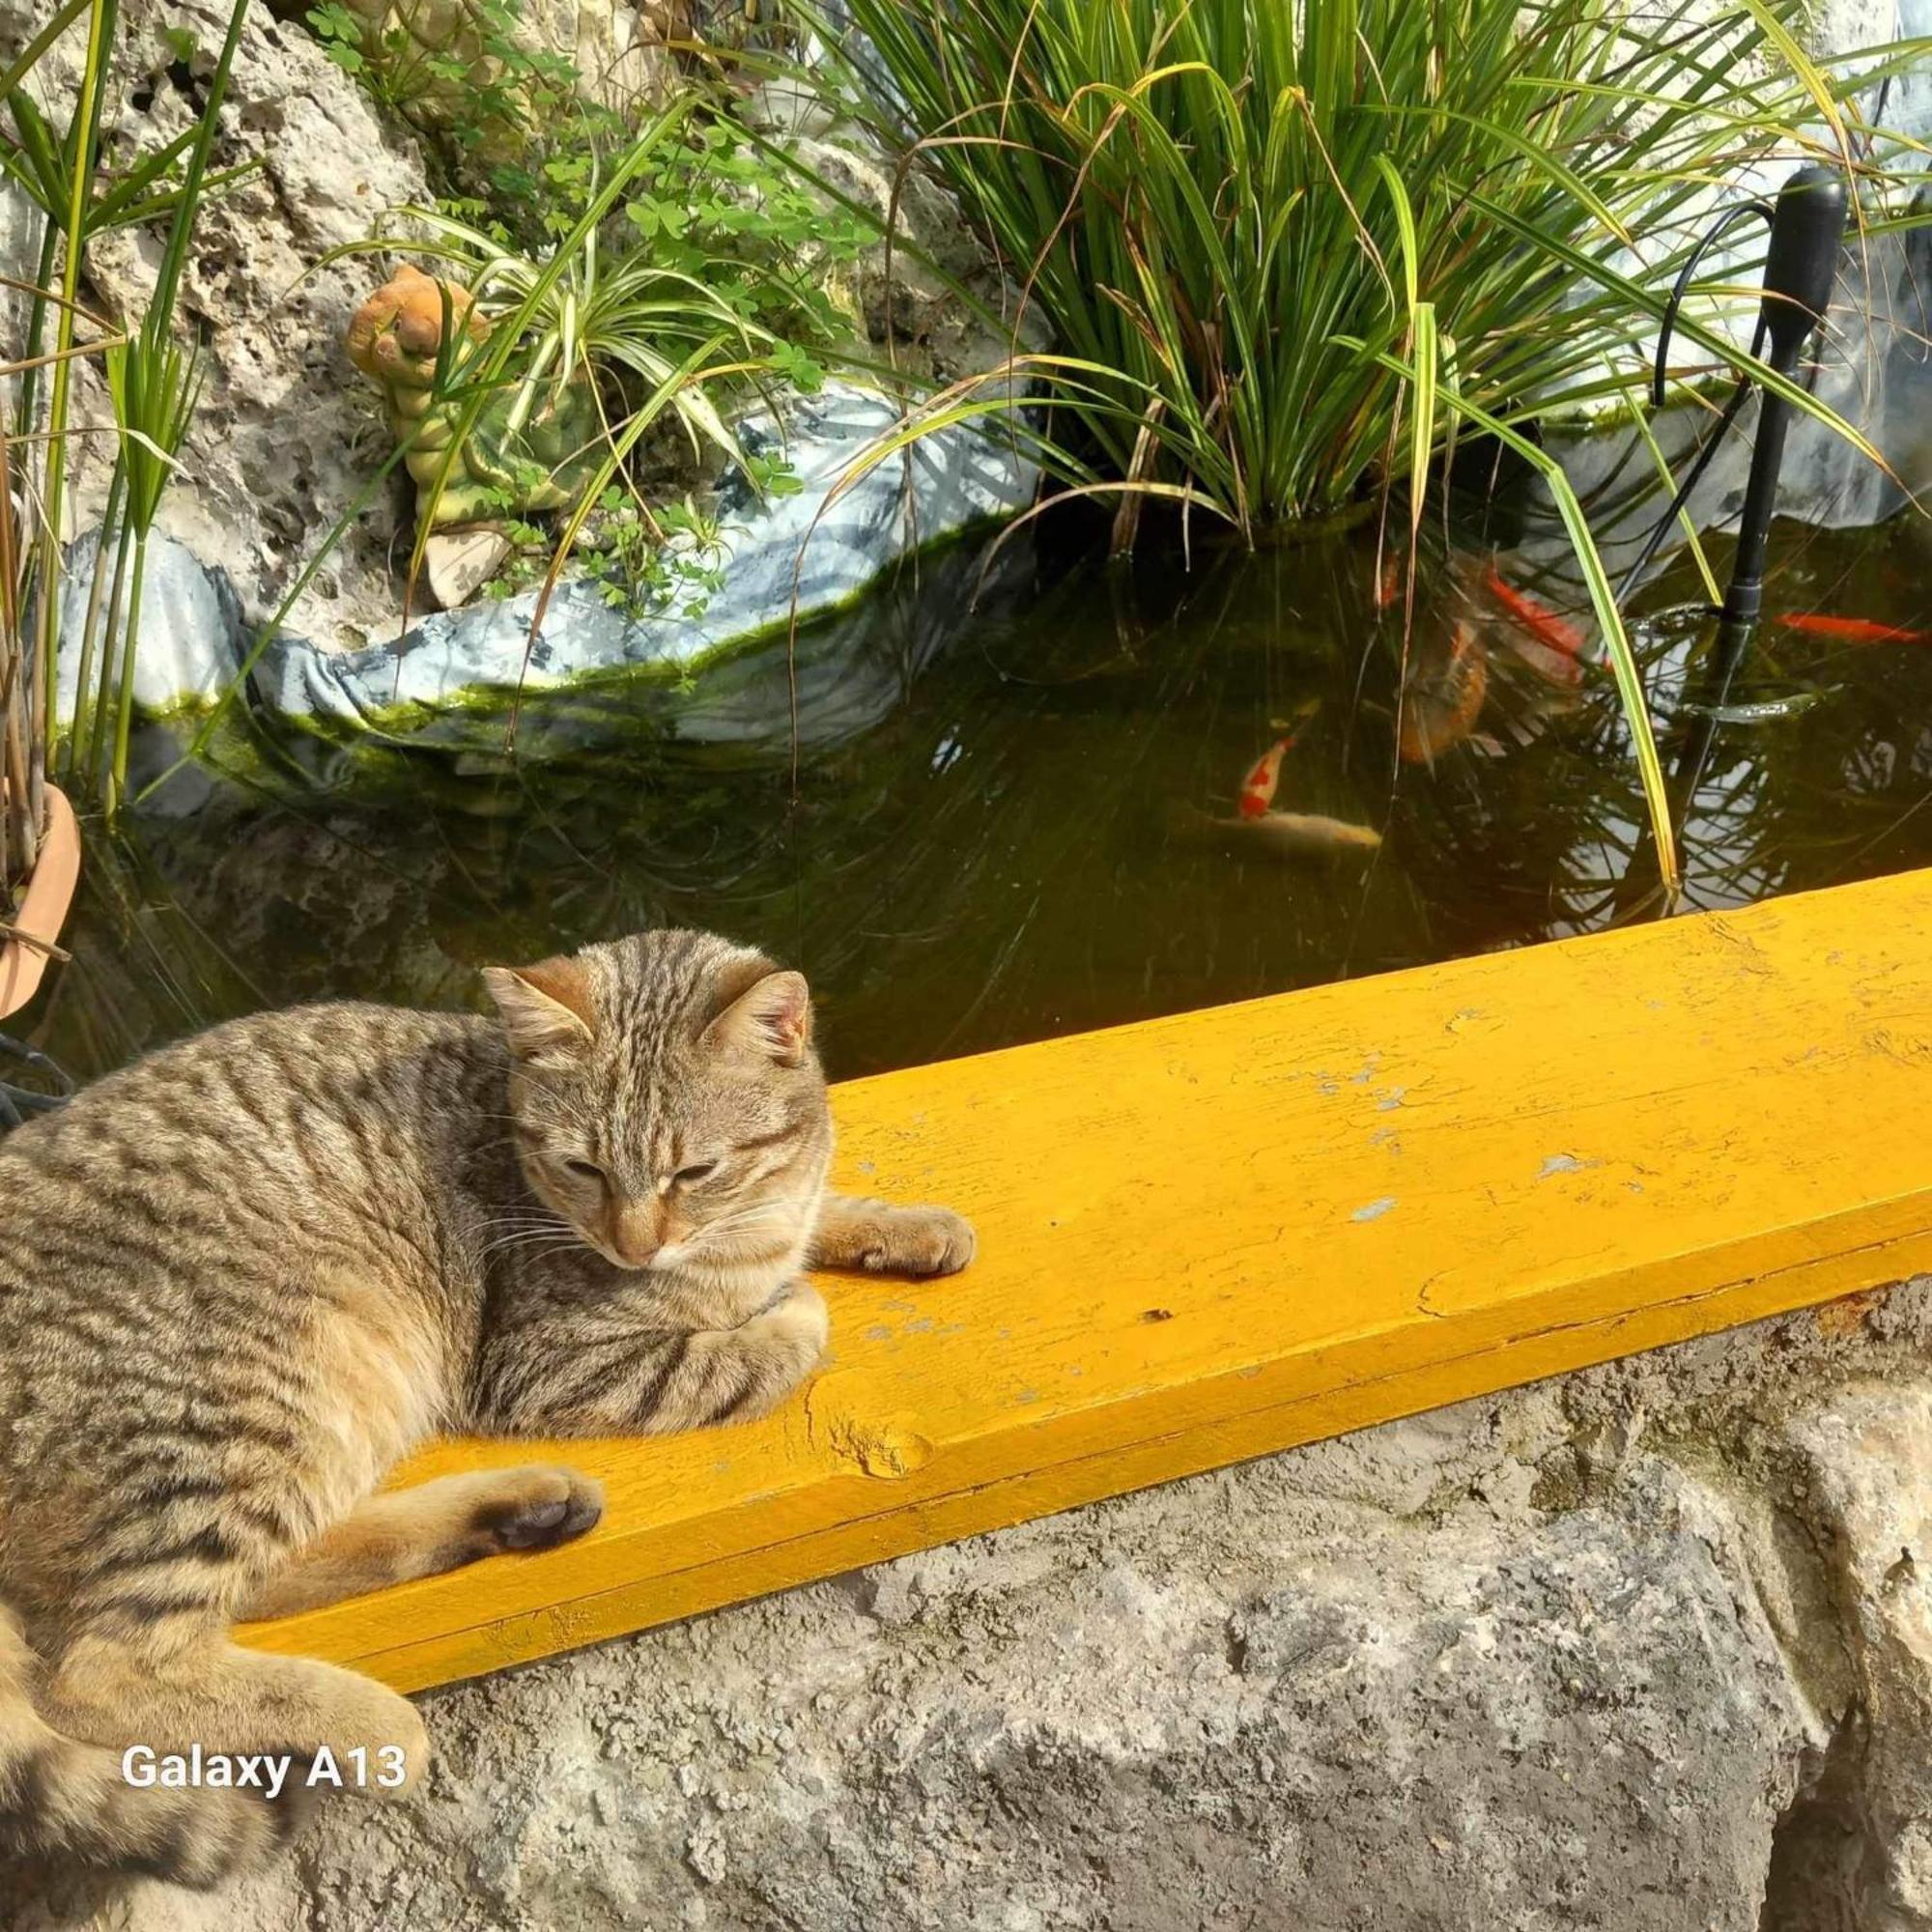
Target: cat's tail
[{"x": 66, "y": 1801}]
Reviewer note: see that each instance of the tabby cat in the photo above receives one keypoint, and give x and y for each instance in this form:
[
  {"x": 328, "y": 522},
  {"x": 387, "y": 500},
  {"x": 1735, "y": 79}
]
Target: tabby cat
[{"x": 242, "y": 1277}]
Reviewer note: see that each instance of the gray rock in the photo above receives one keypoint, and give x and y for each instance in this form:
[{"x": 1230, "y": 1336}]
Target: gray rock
[
  {"x": 458, "y": 564},
  {"x": 1870, "y": 1803}
]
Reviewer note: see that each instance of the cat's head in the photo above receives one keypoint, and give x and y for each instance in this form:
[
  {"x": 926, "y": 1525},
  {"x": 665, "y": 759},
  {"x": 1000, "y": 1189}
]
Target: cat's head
[{"x": 666, "y": 1098}]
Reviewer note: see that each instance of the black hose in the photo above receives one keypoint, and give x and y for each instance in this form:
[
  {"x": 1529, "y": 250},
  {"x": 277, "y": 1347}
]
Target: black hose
[{"x": 1707, "y": 450}]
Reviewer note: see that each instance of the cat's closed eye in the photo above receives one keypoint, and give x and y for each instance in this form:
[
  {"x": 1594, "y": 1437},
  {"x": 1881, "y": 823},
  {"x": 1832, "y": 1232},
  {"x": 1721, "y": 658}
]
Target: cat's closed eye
[
  {"x": 583, "y": 1170},
  {"x": 699, "y": 1170}
]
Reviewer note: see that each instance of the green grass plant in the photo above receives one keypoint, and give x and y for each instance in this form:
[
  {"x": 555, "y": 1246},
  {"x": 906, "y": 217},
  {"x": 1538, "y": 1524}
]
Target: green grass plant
[{"x": 1290, "y": 254}]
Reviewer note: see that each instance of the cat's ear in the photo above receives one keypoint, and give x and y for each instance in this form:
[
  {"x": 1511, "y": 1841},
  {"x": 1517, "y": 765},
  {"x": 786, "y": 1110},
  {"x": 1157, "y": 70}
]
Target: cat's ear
[
  {"x": 545, "y": 1009},
  {"x": 770, "y": 1020}
]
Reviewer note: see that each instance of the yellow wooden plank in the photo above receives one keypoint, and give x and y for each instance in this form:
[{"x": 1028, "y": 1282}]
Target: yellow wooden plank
[{"x": 1210, "y": 1236}]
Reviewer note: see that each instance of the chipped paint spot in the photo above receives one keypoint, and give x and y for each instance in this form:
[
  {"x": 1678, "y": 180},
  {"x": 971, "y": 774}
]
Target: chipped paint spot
[
  {"x": 883, "y": 1450},
  {"x": 1390, "y": 1099},
  {"x": 1374, "y": 1211},
  {"x": 878, "y": 1332},
  {"x": 1562, "y": 1163}
]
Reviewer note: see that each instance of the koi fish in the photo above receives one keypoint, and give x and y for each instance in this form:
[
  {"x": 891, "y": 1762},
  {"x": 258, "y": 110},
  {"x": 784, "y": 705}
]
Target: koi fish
[
  {"x": 1552, "y": 667},
  {"x": 1289, "y": 834},
  {"x": 1389, "y": 582},
  {"x": 1849, "y": 630},
  {"x": 1536, "y": 617},
  {"x": 1258, "y": 788},
  {"x": 1440, "y": 704}
]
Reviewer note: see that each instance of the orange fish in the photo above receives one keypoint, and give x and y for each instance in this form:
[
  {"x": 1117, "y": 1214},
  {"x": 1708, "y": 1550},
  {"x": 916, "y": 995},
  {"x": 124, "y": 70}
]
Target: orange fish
[
  {"x": 1388, "y": 582},
  {"x": 1552, "y": 667},
  {"x": 1543, "y": 623},
  {"x": 1851, "y": 630},
  {"x": 1440, "y": 703},
  {"x": 1258, "y": 788}
]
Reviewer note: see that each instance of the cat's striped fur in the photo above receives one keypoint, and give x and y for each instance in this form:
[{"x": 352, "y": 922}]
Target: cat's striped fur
[{"x": 240, "y": 1279}]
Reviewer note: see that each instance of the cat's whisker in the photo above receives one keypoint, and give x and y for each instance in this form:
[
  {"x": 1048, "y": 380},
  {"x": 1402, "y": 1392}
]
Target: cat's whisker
[
  {"x": 759, "y": 1209},
  {"x": 547, "y": 1241}
]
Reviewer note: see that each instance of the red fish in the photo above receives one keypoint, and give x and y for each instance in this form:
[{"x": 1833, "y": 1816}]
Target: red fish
[
  {"x": 1536, "y": 617},
  {"x": 1258, "y": 788},
  {"x": 1851, "y": 630},
  {"x": 1389, "y": 582}
]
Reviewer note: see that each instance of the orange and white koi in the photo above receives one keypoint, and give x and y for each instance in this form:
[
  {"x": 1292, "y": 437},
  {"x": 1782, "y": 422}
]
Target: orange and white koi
[
  {"x": 1258, "y": 788},
  {"x": 1548, "y": 627},
  {"x": 1849, "y": 630}
]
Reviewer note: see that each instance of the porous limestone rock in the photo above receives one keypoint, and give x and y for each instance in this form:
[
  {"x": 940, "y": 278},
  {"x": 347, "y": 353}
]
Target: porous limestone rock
[
  {"x": 617, "y": 50},
  {"x": 1870, "y": 1800},
  {"x": 284, "y": 439},
  {"x": 1642, "y": 1649}
]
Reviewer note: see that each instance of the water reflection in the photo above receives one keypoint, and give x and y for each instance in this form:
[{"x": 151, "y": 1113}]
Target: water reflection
[{"x": 995, "y": 829}]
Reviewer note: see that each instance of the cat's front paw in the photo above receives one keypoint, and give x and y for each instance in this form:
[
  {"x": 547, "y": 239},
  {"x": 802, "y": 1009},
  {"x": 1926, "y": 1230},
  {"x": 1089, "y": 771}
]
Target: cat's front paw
[
  {"x": 942, "y": 1242},
  {"x": 536, "y": 1507},
  {"x": 917, "y": 1242}
]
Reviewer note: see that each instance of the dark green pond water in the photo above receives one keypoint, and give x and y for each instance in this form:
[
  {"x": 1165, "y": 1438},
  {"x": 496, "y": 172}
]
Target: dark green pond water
[{"x": 998, "y": 826}]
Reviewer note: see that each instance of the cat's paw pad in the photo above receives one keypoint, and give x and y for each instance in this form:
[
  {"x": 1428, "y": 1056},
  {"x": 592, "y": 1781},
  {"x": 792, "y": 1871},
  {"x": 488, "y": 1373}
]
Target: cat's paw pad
[
  {"x": 537, "y": 1509},
  {"x": 922, "y": 1241}
]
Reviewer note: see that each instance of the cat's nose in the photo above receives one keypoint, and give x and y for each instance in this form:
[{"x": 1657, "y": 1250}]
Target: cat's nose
[{"x": 636, "y": 1233}]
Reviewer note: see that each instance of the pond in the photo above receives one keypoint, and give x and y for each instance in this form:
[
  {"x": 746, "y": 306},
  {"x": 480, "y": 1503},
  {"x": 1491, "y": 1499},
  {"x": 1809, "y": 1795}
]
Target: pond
[{"x": 1002, "y": 821}]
